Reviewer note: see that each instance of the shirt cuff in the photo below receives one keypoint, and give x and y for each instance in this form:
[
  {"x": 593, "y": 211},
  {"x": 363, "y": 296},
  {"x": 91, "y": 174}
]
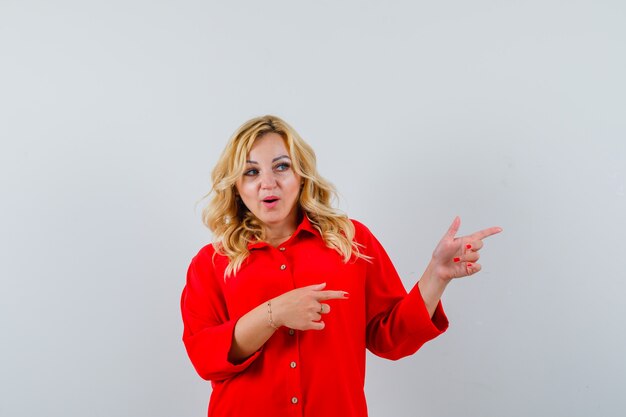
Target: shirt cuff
[
  {"x": 422, "y": 322},
  {"x": 209, "y": 348}
]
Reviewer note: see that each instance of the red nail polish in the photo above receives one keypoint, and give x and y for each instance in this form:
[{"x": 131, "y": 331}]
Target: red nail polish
[
  {"x": 346, "y": 295},
  {"x": 468, "y": 246},
  {"x": 456, "y": 259},
  {"x": 469, "y": 265}
]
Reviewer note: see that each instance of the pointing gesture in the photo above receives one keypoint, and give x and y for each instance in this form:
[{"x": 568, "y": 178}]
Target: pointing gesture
[
  {"x": 302, "y": 308},
  {"x": 456, "y": 257}
]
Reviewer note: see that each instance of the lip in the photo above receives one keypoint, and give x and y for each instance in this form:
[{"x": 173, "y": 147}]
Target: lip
[{"x": 270, "y": 204}]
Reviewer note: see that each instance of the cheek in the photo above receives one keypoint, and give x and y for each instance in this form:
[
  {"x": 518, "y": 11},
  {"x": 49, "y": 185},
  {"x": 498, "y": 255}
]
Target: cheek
[
  {"x": 239, "y": 188},
  {"x": 293, "y": 185},
  {"x": 246, "y": 189}
]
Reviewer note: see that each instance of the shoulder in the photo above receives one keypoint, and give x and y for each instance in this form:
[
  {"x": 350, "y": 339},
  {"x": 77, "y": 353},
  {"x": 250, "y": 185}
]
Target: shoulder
[
  {"x": 362, "y": 234},
  {"x": 207, "y": 257},
  {"x": 360, "y": 227},
  {"x": 205, "y": 252},
  {"x": 368, "y": 242}
]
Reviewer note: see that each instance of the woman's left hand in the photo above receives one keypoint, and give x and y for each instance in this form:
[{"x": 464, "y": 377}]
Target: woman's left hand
[{"x": 456, "y": 257}]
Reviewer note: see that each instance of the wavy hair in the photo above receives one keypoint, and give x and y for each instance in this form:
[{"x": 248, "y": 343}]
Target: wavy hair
[{"x": 234, "y": 226}]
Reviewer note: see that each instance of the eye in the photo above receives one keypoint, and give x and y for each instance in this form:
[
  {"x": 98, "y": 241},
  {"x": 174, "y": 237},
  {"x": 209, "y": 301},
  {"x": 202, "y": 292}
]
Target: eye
[
  {"x": 283, "y": 166},
  {"x": 251, "y": 172}
]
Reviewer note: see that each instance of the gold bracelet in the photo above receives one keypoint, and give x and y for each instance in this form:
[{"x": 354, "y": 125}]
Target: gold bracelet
[{"x": 269, "y": 315}]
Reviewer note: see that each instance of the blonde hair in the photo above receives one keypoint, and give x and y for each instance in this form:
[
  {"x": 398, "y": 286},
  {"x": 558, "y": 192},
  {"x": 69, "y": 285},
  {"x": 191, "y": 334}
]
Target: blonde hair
[{"x": 234, "y": 226}]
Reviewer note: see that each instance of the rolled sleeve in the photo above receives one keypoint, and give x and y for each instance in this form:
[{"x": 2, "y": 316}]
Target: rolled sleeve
[
  {"x": 413, "y": 309},
  {"x": 208, "y": 351},
  {"x": 398, "y": 324}
]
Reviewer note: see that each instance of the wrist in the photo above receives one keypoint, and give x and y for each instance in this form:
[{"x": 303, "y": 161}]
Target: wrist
[
  {"x": 271, "y": 320},
  {"x": 435, "y": 274}
]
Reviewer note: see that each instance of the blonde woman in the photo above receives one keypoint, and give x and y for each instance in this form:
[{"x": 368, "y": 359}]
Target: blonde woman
[{"x": 279, "y": 310}]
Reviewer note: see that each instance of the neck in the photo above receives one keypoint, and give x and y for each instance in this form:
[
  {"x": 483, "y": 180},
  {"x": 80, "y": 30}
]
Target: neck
[
  {"x": 279, "y": 233},
  {"x": 278, "y": 240},
  {"x": 276, "y": 237}
]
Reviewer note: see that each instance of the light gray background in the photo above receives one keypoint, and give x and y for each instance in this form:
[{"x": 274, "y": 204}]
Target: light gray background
[{"x": 507, "y": 113}]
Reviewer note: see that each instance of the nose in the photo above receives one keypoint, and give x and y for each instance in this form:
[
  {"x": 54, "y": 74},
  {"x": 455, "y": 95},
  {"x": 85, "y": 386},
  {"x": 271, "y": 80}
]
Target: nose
[{"x": 268, "y": 181}]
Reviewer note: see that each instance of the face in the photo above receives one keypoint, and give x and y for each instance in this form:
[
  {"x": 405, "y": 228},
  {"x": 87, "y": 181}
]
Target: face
[{"x": 269, "y": 186}]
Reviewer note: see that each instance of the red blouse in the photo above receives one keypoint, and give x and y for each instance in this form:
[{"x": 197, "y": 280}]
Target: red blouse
[{"x": 301, "y": 373}]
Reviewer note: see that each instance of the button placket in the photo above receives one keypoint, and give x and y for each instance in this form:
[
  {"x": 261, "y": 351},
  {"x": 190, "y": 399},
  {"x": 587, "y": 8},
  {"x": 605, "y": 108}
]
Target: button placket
[{"x": 294, "y": 374}]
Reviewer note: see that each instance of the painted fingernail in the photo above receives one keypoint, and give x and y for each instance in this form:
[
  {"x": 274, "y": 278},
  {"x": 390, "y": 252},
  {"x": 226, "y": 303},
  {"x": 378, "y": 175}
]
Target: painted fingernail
[
  {"x": 469, "y": 265},
  {"x": 346, "y": 295},
  {"x": 468, "y": 246},
  {"x": 456, "y": 259}
]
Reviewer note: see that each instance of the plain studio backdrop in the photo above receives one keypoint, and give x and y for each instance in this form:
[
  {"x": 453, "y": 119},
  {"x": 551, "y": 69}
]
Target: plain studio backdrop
[{"x": 508, "y": 113}]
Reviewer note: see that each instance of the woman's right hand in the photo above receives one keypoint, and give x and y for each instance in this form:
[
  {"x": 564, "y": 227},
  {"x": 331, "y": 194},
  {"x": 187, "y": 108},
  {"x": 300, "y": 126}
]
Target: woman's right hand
[{"x": 302, "y": 308}]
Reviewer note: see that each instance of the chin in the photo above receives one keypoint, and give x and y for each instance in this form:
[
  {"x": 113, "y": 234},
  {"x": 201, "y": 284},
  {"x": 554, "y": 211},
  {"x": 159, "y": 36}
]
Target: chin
[{"x": 273, "y": 219}]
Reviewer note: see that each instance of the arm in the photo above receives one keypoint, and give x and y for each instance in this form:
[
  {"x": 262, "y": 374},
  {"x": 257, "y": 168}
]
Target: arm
[
  {"x": 208, "y": 328},
  {"x": 299, "y": 309},
  {"x": 399, "y": 323},
  {"x": 221, "y": 347}
]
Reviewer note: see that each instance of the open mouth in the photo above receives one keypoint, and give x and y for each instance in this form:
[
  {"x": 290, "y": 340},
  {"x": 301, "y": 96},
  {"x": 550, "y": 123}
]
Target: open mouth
[{"x": 270, "y": 200}]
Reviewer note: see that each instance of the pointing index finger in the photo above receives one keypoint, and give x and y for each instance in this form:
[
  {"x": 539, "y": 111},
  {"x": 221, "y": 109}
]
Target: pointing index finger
[
  {"x": 332, "y": 295},
  {"x": 485, "y": 233}
]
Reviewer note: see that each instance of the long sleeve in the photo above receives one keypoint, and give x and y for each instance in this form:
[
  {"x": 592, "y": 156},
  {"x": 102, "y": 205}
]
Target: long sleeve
[
  {"x": 208, "y": 329},
  {"x": 398, "y": 324},
  {"x": 300, "y": 372}
]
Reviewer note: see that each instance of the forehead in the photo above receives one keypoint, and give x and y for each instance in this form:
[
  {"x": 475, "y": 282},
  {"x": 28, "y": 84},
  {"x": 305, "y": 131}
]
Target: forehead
[{"x": 267, "y": 146}]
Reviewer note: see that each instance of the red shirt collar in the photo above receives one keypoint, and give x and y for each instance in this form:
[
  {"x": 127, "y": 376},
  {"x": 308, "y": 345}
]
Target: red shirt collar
[{"x": 304, "y": 226}]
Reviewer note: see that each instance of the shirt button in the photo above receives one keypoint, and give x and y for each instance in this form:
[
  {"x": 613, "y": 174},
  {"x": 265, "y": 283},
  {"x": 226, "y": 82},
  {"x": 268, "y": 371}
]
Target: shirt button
[
  {"x": 281, "y": 249},
  {"x": 283, "y": 267},
  {"x": 292, "y": 364},
  {"x": 292, "y": 332},
  {"x": 294, "y": 400}
]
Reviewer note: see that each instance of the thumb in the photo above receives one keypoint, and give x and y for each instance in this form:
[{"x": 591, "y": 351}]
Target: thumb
[
  {"x": 454, "y": 227},
  {"x": 317, "y": 287}
]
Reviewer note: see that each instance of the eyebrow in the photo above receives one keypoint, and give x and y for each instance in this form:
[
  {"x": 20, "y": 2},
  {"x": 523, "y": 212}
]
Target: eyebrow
[{"x": 273, "y": 160}]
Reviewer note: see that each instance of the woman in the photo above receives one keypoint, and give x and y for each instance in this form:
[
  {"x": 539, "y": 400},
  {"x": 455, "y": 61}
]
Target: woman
[{"x": 279, "y": 309}]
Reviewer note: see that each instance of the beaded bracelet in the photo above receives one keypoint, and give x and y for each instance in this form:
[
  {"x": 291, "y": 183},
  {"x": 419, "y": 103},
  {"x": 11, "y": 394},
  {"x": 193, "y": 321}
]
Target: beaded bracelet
[{"x": 269, "y": 315}]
